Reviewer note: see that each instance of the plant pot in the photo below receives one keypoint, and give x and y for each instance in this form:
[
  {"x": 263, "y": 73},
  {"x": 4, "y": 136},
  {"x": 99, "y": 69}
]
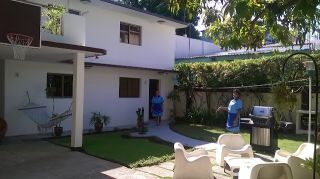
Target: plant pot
[
  {"x": 98, "y": 126},
  {"x": 3, "y": 128},
  {"x": 58, "y": 131}
]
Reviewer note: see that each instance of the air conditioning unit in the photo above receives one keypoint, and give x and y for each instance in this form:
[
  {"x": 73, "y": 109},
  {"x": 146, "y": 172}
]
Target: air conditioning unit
[{"x": 85, "y": 1}]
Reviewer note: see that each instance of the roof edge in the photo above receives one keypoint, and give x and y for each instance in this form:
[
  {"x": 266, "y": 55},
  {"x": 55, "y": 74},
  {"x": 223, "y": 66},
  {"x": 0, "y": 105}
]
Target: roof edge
[
  {"x": 98, "y": 51},
  {"x": 130, "y": 67},
  {"x": 145, "y": 12}
]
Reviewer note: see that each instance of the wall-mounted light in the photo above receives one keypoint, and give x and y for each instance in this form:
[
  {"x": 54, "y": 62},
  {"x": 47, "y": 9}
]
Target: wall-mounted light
[
  {"x": 162, "y": 73},
  {"x": 88, "y": 66}
]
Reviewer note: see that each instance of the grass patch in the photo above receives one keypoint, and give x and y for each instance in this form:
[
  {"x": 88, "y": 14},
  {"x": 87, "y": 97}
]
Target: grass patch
[
  {"x": 289, "y": 142},
  {"x": 131, "y": 152}
]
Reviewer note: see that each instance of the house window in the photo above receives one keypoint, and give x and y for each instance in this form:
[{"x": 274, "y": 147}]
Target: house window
[
  {"x": 59, "y": 85},
  {"x": 130, "y": 34},
  {"x": 129, "y": 87}
]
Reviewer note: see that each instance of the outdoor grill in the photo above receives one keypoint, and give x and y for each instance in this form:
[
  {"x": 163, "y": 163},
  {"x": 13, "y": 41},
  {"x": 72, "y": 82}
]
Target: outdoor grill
[{"x": 263, "y": 136}]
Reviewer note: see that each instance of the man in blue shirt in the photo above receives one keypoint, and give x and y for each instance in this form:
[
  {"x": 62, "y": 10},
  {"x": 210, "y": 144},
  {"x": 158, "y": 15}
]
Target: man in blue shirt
[{"x": 234, "y": 110}]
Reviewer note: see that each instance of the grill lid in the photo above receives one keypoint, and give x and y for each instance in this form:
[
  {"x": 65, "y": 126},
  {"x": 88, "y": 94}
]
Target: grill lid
[{"x": 261, "y": 111}]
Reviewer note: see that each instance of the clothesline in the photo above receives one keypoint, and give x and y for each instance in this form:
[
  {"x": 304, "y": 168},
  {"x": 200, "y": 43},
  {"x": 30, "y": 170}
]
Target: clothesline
[{"x": 250, "y": 86}]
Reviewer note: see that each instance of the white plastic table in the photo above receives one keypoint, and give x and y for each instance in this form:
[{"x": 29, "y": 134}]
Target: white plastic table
[{"x": 233, "y": 164}]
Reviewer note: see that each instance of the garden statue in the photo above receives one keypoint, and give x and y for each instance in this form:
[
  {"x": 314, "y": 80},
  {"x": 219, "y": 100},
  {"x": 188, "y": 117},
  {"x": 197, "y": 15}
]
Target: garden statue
[{"x": 140, "y": 121}]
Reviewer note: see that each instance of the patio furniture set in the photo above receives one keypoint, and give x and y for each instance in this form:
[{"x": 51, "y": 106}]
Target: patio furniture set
[{"x": 238, "y": 160}]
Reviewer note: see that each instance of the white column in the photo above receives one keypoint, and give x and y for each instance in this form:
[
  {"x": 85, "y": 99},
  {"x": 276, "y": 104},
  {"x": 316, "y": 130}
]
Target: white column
[{"x": 78, "y": 95}]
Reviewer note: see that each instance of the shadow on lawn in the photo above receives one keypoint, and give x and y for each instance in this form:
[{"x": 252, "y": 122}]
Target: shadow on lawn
[{"x": 204, "y": 133}]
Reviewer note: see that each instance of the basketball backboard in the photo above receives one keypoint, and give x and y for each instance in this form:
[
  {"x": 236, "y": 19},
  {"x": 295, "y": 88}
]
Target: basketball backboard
[{"x": 20, "y": 18}]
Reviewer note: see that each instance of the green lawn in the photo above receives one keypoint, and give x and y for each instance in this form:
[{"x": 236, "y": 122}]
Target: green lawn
[
  {"x": 132, "y": 152},
  {"x": 289, "y": 142}
]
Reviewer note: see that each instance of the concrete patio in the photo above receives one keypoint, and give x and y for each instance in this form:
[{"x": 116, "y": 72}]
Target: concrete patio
[{"x": 33, "y": 157}]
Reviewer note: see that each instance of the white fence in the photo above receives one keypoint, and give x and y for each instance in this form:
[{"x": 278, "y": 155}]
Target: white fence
[{"x": 187, "y": 47}]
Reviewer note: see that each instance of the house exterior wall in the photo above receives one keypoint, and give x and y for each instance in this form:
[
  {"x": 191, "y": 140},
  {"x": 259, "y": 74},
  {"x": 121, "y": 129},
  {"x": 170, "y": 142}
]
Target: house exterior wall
[
  {"x": 157, "y": 40},
  {"x": 102, "y": 30},
  {"x": 32, "y": 77},
  {"x": 2, "y": 88},
  {"x": 101, "y": 94}
]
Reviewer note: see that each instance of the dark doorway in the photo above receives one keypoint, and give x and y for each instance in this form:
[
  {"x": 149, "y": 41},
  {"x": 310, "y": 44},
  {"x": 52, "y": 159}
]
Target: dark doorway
[
  {"x": 153, "y": 87},
  {"x": 305, "y": 99}
]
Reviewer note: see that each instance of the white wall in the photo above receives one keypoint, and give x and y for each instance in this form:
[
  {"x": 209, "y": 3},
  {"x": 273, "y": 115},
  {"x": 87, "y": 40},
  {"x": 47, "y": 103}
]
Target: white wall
[
  {"x": 32, "y": 77},
  {"x": 101, "y": 94},
  {"x": 72, "y": 28},
  {"x": 103, "y": 31},
  {"x": 1, "y": 88},
  {"x": 197, "y": 47}
]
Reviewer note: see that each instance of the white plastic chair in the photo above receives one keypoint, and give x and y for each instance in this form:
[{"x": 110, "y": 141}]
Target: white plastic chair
[
  {"x": 191, "y": 165},
  {"x": 297, "y": 159},
  {"x": 231, "y": 144},
  {"x": 266, "y": 170}
]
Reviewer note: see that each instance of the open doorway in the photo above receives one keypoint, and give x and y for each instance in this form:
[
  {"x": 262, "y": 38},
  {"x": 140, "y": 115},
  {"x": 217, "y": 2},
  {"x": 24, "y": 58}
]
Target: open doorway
[{"x": 153, "y": 87}]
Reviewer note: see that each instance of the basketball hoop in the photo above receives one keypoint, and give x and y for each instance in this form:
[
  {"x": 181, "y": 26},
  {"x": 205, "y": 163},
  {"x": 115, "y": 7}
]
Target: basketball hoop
[{"x": 19, "y": 44}]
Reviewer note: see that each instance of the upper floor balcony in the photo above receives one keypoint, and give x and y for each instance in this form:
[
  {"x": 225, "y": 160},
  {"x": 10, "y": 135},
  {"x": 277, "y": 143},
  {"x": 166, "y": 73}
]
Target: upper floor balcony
[{"x": 68, "y": 28}]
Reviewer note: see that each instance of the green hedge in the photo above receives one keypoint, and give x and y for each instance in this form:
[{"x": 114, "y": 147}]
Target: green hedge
[{"x": 241, "y": 72}]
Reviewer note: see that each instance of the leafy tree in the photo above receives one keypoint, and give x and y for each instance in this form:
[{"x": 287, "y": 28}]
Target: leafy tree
[
  {"x": 53, "y": 22},
  {"x": 243, "y": 23},
  {"x": 162, "y": 7}
]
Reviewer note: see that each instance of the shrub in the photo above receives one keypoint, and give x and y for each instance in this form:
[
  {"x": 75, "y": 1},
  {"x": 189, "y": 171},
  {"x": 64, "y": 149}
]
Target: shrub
[
  {"x": 199, "y": 115},
  {"x": 239, "y": 72}
]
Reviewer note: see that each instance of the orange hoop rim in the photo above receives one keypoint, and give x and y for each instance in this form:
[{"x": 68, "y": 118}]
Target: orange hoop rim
[{"x": 19, "y": 39}]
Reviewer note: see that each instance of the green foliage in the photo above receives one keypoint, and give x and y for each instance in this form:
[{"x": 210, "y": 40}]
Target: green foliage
[
  {"x": 174, "y": 96},
  {"x": 309, "y": 164},
  {"x": 284, "y": 98},
  {"x": 262, "y": 70},
  {"x": 236, "y": 24},
  {"x": 53, "y": 14},
  {"x": 97, "y": 117},
  {"x": 162, "y": 7},
  {"x": 151, "y": 160},
  {"x": 198, "y": 115}
]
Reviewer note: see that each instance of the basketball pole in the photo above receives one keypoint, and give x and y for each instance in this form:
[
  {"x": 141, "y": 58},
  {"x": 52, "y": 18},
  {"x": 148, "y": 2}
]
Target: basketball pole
[
  {"x": 309, "y": 125},
  {"x": 309, "y": 71},
  {"x": 315, "y": 66}
]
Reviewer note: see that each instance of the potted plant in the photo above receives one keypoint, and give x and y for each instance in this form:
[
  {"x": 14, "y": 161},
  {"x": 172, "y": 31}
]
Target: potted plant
[
  {"x": 98, "y": 120},
  {"x": 57, "y": 130}
]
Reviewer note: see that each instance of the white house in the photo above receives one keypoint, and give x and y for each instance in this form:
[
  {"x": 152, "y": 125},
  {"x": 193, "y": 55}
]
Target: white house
[{"x": 140, "y": 57}]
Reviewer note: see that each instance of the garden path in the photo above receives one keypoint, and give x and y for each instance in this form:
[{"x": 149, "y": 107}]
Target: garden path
[{"x": 165, "y": 133}]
